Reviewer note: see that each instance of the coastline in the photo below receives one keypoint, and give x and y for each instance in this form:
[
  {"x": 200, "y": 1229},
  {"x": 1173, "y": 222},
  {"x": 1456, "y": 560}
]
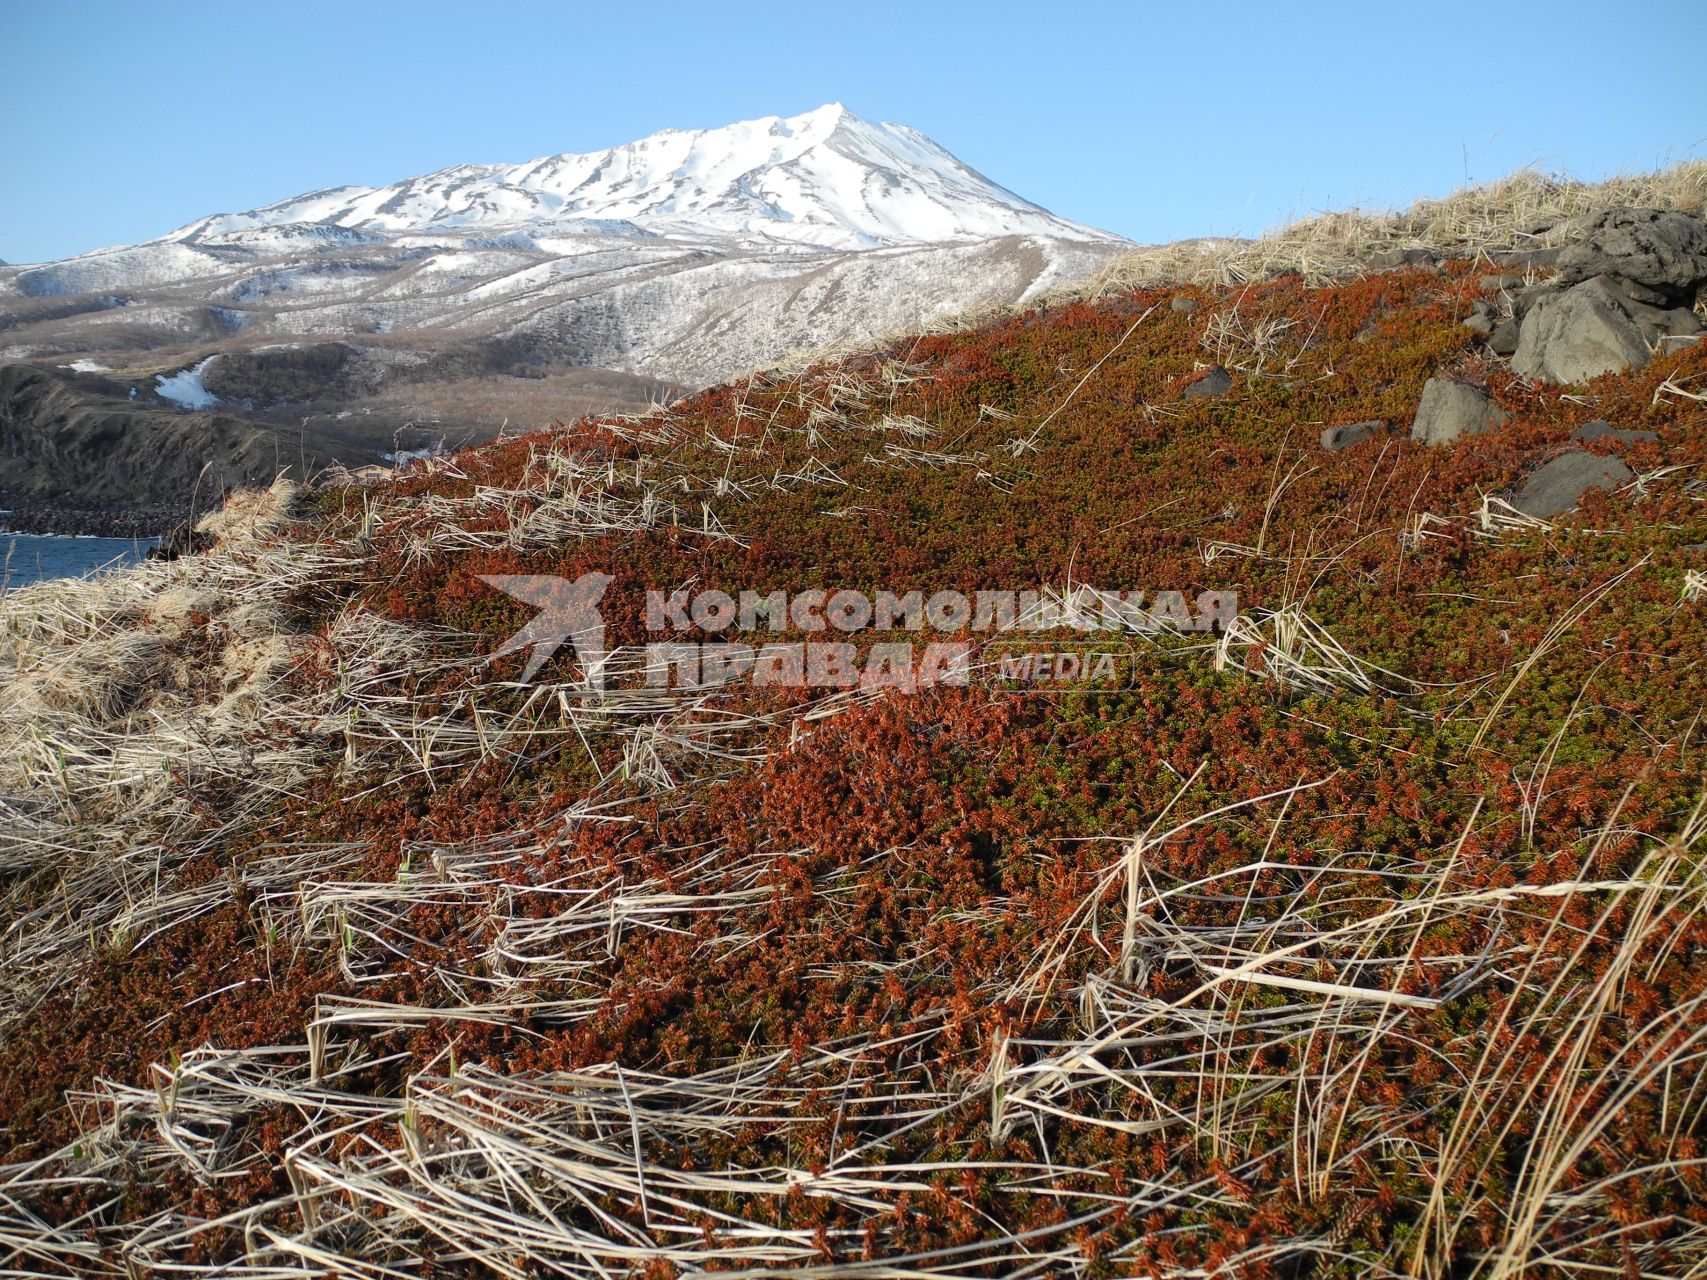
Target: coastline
[{"x": 48, "y": 518}]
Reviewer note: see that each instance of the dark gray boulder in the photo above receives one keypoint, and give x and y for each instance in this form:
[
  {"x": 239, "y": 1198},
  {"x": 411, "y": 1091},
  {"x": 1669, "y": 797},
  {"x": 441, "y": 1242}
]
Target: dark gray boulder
[
  {"x": 1557, "y": 486},
  {"x": 1602, "y": 430},
  {"x": 1655, "y": 323},
  {"x": 1352, "y": 433},
  {"x": 1659, "y": 248},
  {"x": 1503, "y": 340},
  {"x": 1451, "y": 409},
  {"x": 1579, "y": 334},
  {"x": 1217, "y": 382},
  {"x": 1680, "y": 322},
  {"x": 1482, "y": 318}
]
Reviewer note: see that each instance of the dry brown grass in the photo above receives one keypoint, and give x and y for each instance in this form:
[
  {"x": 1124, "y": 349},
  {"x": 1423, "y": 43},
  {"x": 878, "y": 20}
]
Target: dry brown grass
[
  {"x": 1528, "y": 210},
  {"x": 139, "y": 710}
]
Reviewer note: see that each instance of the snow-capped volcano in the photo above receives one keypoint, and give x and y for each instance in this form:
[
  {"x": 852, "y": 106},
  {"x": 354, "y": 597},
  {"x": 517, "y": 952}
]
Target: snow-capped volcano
[
  {"x": 685, "y": 257},
  {"x": 827, "y": 178}
]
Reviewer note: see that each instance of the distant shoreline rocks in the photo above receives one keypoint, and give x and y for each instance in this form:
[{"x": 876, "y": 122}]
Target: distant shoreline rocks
[{"x": 47, "y": 517}]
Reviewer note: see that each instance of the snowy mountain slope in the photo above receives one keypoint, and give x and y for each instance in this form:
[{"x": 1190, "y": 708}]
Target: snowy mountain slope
[
  {"x": 685, "y": 257},
  {"x": 827, "y": 178},
  {"x": 688, "y": 317}
]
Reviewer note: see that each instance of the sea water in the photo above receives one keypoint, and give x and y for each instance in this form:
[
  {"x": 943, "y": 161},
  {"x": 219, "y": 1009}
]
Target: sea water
[{"x": 28, "y": 557}]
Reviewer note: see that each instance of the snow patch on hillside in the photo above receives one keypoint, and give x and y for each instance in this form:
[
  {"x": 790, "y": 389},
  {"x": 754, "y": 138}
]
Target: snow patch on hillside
[{"x": 185, "y": 388}]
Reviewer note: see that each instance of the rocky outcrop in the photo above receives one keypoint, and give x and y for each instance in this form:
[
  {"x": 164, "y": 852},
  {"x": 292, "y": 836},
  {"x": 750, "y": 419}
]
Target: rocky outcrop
[
  {"x": 1451, "y": 409},
  {"x": 1625, "y": 287},
  {"x": 1664, "y": 250},
  {"x": 1525, "y": 259},
  {"x": 1557, "y": 486}
]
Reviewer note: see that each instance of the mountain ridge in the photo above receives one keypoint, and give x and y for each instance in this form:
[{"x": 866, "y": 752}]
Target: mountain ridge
[{"x": 826, "y": 177}]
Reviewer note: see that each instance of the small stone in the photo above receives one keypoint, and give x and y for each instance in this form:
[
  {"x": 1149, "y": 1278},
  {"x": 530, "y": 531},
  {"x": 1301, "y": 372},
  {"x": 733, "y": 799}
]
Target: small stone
[
  {"x": 1183, "y": 304},
  {"x": 1352, "y": 433},
  {"x": 1601, "y": 430},
  {"x": 1482, "y": 319},
  {"x": 1217, "y": 382},
  {"x": 1685, "y": 322},
  {"x": 1493, "y": 284},
  {"x": 1557, "y": 486},
  {"x": 1503, "y": 340},
  {"x": 1451, "y": 409}
]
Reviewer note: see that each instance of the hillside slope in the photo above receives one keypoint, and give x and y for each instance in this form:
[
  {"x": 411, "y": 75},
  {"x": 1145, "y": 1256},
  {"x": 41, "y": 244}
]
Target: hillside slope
[
  {"x": 1356, "y": 934},
  {"x": 77, "y": 456}
]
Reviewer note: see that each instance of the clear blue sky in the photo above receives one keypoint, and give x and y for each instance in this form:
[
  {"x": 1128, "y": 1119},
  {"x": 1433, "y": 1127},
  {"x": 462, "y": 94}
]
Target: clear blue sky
[{"x": 120, "y": 121}]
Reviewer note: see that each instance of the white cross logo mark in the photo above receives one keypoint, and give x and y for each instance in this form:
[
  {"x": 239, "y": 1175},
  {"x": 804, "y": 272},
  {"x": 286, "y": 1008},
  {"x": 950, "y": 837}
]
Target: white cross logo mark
[{"x": 567, "y": 611}]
